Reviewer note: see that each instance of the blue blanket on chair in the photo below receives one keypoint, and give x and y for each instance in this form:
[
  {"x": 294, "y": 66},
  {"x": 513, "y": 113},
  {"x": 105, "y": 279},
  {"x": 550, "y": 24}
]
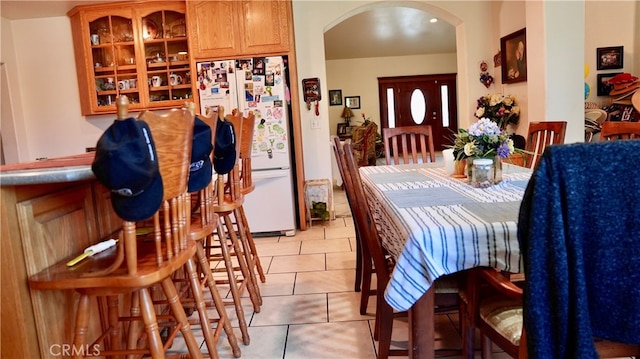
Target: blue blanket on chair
[{"x": 579, "y": 233}]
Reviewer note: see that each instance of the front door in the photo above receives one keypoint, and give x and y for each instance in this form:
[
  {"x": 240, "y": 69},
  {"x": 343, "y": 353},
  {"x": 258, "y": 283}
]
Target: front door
[{"x": 420, "y": 100}]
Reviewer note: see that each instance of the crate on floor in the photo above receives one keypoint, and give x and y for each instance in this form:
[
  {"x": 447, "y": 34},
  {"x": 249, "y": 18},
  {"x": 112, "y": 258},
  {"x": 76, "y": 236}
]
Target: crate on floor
[{"x": 318, "y": 196}]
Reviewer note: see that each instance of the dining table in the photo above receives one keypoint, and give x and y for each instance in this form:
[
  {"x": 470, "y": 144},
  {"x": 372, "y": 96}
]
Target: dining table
[{"x": 433, "y": 224}]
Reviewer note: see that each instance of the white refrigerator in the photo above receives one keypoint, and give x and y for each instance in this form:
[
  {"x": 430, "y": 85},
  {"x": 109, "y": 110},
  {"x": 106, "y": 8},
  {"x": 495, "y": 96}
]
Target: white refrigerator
[{"x": 258, "y": 85}]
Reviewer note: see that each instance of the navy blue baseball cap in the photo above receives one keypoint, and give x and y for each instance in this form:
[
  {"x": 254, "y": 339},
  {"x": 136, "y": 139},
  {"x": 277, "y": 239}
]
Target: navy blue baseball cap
[
  {"x": 200, "y": 170},
  {"x": 224, "y": 154},
  {"x": 126, "y": 163}
]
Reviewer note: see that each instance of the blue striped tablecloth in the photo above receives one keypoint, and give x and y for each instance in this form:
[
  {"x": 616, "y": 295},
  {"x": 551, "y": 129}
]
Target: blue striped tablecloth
[{"x": 433, "y": 224}]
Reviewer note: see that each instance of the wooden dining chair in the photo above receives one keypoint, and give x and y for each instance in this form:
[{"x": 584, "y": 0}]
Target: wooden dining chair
[
  {"x": 446, "y": 299},
  {"x": 622, "y": 130},
  {"x": 364, "y": 264},
  {"x": 408, "y": 144},
  {"x": 148, "y": 253},
  {"x": 540, "y": 136},
  {"x": 580, "y": 259}
]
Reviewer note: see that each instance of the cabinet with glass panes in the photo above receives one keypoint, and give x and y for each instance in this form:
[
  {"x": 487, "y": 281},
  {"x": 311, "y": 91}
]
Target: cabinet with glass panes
[{"x": 137, "y": 49}]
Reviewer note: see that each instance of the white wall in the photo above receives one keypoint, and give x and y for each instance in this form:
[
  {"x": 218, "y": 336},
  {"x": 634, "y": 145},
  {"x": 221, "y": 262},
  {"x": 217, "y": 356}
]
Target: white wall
[
  {"x": 45, "y": 86},
  {"x": 359, "y": 77},
  {"x": 611, "y": 23}
]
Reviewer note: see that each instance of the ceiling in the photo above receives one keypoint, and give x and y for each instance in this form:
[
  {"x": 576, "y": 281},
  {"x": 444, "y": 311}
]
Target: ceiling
[{"x": 380, "y": 32}]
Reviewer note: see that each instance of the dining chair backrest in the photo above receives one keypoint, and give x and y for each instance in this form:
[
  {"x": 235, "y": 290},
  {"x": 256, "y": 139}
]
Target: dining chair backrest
[
  {"x": 540, "y": 136},
  {"x": 622, "y": 130},
  {"x": 582, "y": 247},
  {"x": 411, "y": 144}
]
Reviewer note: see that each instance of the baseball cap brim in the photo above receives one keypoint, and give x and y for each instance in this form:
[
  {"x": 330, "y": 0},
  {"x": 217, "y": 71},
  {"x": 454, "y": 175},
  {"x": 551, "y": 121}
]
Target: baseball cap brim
[
  {"x": 141, "y": 206},
  {"x": 200, "y": 178}
]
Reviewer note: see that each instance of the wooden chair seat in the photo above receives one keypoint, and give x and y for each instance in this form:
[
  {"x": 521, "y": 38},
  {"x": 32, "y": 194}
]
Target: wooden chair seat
[
  {"x": 82, "y": 276},
  {"x": 504, "y": 316}
]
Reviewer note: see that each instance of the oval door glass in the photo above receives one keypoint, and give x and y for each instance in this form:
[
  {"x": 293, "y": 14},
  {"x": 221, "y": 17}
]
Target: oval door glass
[{"x": 418, "y": 106}]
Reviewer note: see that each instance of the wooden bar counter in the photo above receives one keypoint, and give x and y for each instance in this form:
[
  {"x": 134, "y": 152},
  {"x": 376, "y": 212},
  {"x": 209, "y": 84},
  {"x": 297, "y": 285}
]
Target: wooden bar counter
[{"x": 51, "y": 211}]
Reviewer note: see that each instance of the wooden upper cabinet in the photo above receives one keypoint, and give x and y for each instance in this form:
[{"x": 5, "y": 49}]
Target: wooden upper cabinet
[
  {"x": 135, "y": 48},
  {"x": 238, "y": 28}
]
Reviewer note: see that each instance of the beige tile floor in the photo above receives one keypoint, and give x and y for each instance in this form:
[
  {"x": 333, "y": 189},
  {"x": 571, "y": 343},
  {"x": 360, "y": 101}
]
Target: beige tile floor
[{"x": 310, "y": 309}]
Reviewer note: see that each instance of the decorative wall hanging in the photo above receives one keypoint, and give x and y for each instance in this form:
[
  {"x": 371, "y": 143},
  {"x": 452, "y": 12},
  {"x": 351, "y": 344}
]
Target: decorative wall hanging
[
  {"x": 513, "y": 49},
  {"x": 485, "y": 77}
]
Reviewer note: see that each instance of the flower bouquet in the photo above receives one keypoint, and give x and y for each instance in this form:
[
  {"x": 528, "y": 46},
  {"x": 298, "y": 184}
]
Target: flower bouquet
[
  {"x": 486, "y": 140},
  {"x": 501, "y": 109}
]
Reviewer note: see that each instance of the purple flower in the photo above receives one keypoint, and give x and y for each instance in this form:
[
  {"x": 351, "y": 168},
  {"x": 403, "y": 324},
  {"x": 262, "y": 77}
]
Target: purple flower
[{"x": 503, "y": 150}]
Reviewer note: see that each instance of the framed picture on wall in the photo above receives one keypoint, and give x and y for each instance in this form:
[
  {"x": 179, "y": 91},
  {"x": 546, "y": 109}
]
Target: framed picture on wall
[
  {"x": 610, "y": 57},
  {"x": 603, "y": 85},
  {"x": 513, "y": 57},
  {"x": 335, "y": 97},
  {"x": 353, "y": 102}
]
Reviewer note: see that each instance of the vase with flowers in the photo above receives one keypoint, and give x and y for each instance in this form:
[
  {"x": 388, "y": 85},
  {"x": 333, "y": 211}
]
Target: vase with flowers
[{"x": 483, "y": 140}]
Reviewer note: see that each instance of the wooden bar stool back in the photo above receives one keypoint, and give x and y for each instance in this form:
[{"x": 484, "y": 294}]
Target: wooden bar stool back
[{"x": 139, "y": 262}]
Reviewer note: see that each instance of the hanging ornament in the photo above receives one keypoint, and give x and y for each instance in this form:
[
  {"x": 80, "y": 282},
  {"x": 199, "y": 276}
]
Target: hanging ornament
[{"x": 485, "y": 78}]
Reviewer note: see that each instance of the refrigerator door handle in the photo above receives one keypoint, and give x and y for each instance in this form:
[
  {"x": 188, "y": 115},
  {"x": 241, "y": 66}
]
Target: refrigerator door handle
[{"x": 263, "y": 175}]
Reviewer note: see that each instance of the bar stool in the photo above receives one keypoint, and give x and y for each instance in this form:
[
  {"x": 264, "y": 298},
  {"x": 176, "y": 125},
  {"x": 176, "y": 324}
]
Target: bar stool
[
  {"x": 135, "y": 265},
  {"x": 230, "y": 203},
  {"x": 247, "y": 186},
  {"x": 202, "y": 223}
]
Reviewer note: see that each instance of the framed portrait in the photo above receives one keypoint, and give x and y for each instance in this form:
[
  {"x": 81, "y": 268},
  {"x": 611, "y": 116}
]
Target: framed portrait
[
  {"x": 335, "y": 97},
  {"x": 609, "y": 57},
  {"x": 342, "y": 129},
  {"x": 603, "y": 86},
  {"x": 353, "y": 102},
  {"x": 513, "y": 57}
]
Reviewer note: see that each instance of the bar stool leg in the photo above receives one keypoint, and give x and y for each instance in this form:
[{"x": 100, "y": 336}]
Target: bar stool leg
[
  {"x": 246, "y": 239},
  {"x": 233, "y": 285},
  {"x": 217, "y": 300},
  {"x": 240, "y": 256},
  {"x": 252, "y": 245}
]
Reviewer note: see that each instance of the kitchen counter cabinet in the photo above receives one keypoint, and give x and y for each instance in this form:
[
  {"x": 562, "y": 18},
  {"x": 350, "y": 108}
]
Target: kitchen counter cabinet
[{"x": 44, "y": 223}]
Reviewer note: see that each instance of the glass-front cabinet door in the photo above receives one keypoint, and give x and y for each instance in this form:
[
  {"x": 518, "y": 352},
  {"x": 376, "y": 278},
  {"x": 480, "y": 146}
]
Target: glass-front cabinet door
[
  {"x": 114, "y": 60},
  {"x": 164, "y": 39},
  {"x": 137, "y": 49}
]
